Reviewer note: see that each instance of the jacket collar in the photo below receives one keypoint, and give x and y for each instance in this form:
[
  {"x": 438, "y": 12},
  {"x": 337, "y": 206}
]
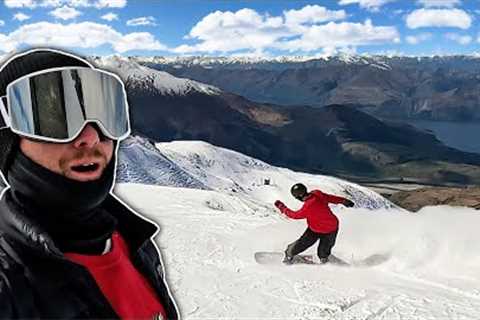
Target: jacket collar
[{"x": 135, "y": 229}]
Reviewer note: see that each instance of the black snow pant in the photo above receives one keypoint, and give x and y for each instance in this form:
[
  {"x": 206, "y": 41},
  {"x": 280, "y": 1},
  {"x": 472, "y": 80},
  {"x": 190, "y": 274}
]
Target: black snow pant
[{"x": 308, "y": 239}]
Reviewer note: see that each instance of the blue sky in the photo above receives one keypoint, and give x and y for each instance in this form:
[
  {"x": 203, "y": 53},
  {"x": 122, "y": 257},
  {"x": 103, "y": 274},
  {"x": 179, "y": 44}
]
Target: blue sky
[{"x": 230, "y": 27}]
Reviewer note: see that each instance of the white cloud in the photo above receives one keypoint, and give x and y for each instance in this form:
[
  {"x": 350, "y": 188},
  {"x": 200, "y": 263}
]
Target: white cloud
[
  {"x": 32, "y": 4},
  {"x": 246, "y": 30},
  {"x": 6, "y": 45},
  {"x": 50, "y": 3},
  {"x": 138, "y": 41},
  {"x": 233, "y": 31},
  {"x": 21, "y": 16},
  {"x": 65, "y": 13},
  {"x": 416, "y": 39},
  {"x": 20, "y": 3},
  {"x": 142, "y": 21},
  {"x": 331, "y": 51},
  {"x": 463, "y": 40},
  {"x": 373, "y": 5},
  {"x": 439, "y": 3},
  {"x": 71, "y": 3},
  {"x": 388, "y": 53},
  {"x": 77, "y": 35},
  {"x": 2, "y": 23},
  {"x": 110, "y": 4},
  {"x": 455, "y": 18},
  {"x": 312, "y": 14},
  {"x": 341, "y": 35},
  {"x": 109, "y": 16}
]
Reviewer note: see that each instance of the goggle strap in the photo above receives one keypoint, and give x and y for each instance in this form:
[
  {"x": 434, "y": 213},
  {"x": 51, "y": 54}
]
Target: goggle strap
[{"x": 4, "y": 119}]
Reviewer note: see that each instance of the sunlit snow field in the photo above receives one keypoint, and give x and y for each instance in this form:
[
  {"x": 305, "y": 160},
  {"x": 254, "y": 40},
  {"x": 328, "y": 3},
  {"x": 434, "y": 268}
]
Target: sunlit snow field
[
  {"x": 433, "y": 271},
  {"x": 208, "y": 239}
]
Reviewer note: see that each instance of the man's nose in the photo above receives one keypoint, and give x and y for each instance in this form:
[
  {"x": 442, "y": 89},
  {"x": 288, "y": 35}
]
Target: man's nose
[{"x": 88, "y": 138}]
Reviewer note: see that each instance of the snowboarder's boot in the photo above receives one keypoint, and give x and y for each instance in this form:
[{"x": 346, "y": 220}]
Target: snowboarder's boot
[
  {"x": 288, "y": 259},
  {"x": 323, "y": 260}
]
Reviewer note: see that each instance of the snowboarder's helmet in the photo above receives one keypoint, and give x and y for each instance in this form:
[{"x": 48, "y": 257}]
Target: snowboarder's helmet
[{"x": 298, "y": 191}]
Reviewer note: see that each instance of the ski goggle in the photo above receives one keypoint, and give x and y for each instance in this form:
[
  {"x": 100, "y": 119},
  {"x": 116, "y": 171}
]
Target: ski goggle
[{"x": 54, "y": 105}]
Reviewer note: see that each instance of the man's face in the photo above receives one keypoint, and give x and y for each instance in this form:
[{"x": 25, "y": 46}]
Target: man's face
[{"x": 83, "y": 159}]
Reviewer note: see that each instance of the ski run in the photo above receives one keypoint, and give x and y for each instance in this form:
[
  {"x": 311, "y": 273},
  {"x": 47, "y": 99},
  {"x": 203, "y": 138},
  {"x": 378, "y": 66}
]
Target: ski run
[{"x": 208, "y": 239}]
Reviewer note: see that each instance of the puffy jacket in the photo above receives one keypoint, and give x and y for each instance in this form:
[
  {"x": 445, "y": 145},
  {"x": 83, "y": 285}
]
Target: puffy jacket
[
  {"x": 315, "y": 209},
  {"x": 37, "y": 281}
]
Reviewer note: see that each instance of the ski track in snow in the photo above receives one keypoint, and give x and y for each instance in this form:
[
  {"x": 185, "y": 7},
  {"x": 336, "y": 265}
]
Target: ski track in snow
[{"x": 208, "y": 253}]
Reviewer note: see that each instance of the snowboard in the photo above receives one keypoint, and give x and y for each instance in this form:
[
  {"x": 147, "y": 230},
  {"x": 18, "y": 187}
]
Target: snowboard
[
  {"x": 275, "y": 257},
  {"x": 265, "y": 257}
]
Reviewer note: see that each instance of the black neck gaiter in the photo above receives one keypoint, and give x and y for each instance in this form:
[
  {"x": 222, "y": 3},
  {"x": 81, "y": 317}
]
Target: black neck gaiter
[{"x": 69, "y": 211}]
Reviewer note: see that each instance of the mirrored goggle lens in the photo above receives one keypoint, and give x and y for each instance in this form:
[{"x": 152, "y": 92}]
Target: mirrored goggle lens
[{"x": 57, "y": 104}]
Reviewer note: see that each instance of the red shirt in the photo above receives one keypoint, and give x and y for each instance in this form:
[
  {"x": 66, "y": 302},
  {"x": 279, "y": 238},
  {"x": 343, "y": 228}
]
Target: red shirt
[
  {"x": 315, "y": 209},
  {"x": 126, "y": 289}
]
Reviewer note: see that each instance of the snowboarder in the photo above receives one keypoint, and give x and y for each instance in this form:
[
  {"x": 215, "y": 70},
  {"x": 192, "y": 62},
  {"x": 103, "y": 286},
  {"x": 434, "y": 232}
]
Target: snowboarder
[
  {"x": 69, "y": 248},
  {"x": 322, "y": 223}
]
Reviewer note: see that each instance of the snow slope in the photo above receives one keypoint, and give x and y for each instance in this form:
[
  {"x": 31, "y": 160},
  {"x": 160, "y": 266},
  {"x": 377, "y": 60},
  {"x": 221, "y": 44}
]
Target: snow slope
[
  {"x": 433, "y": 271},
  {"x": 229, "y": 171},
  {"x": 200, "y": 165},
  {"x": 155, "y": 168},
  {"x": 209, "y": 237}
]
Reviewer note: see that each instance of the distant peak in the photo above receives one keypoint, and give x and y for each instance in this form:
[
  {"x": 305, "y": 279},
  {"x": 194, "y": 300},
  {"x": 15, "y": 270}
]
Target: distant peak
[{"x": 139, "y": 76}]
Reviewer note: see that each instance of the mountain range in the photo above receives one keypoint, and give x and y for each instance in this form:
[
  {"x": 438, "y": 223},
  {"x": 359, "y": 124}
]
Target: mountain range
[
  {"x": 427, "y": 88},
  {"x": 336, "y": 139}
]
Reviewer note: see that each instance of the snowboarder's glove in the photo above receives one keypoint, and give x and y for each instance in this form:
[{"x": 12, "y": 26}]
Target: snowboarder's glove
[
  {"x": 280, "y": 205},
  {"x": 348, "y": 203}
]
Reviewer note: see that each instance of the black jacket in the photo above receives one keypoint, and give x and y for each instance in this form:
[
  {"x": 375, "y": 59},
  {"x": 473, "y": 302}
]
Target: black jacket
[{"x": 37, "y": 281}]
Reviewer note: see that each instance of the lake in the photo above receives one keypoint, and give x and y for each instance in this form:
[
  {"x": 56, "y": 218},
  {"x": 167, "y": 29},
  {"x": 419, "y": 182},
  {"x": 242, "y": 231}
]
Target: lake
[{"x": 460, "y": 135}]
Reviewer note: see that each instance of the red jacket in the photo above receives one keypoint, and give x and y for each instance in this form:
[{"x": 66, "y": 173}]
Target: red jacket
[{"x": 315, "y": 209}]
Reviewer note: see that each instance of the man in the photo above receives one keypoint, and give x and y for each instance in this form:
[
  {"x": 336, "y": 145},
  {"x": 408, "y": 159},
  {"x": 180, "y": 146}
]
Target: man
[
  {"x": 68, "y": 247},
  {"x": 322, "y": 223}
]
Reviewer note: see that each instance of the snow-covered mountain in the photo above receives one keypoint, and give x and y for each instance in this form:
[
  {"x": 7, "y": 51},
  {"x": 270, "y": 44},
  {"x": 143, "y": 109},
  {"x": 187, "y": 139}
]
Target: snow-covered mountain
[
  {"x": 200, "y": 165},
  {"x": 165, "y": 108},
  {"x": 209, "y": 60},
  {"x": 140, "y": 77},
  {"x": 229, "y": 171},
  {"x": 140, "y": 162},
  {"x": 268, "y": 63},
  {"x": 383, "y": 61},
  {"x": 433, "y": 88}
]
